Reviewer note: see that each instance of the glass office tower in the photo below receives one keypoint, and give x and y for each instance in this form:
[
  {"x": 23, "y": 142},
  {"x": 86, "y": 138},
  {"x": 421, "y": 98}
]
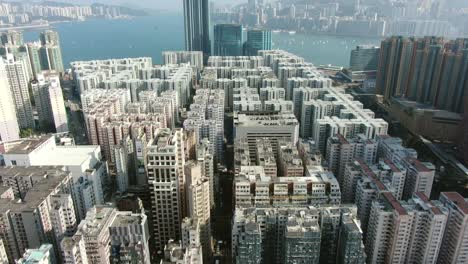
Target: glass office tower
[{"x": 228, "y": 40}]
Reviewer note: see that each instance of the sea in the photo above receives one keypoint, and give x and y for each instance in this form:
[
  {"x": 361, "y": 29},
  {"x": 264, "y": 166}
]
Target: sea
[{"x": 149, "y": 36}]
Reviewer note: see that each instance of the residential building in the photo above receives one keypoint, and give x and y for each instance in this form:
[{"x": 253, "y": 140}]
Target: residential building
[
  {"x": 89, "y": 171},
  {"x": 341, "y": 152},
  {"x": 9, "y": 127},
  {"x": 50, "y": 104},
  {"x": 107, "y": 235},
  {"x": 42, "y": 255},
  {"x": 419, "y": 69},
  {"x": 275, "y": 126},
  {"x": 51, "y": 50},
  {"x": 293, "y": 234},
  {"x": 175, "y": 253},
  {"x": 253, "y": 188},
  {"x": 206, "y": 119},
  {"x": 389, "y": 231},
  {"x": 164, "y": 164},
  {"x": 129, "y": 235},
  {"x": 452, "y": 249},
  {"x": 194, "y": 58},
  {"x": 198, "y": 203},
  {"x": 289, "y": 161},
  {"x": 18, "y": 80},
  {"x": 29, "y": 217}
]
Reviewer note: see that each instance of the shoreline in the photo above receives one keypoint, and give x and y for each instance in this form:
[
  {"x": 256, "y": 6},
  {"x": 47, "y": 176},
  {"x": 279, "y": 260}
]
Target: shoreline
[{"x": 49, "y": 24}]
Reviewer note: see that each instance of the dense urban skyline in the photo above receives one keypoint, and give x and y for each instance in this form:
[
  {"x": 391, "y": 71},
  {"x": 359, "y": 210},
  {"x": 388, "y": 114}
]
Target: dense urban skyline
[{"x": 231, "y": 151}]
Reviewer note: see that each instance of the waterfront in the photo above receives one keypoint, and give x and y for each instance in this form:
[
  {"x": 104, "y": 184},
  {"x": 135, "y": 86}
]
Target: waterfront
[{"x": 150, "y": 35}]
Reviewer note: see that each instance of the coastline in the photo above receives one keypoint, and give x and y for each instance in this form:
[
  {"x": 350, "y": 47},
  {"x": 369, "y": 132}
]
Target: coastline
[{"x": 48, "y": 24}]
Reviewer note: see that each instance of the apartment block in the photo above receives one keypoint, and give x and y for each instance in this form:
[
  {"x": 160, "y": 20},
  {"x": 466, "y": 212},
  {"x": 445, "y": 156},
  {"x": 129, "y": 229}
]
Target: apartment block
[
  {"x": 341, "y": 151},
  {"x": 32, "y": 219},
  {"x": 49, "y": 101},
  {"x": 164, "y": 164},
  {"x": 89, "y": 171},
  {"x": 252, "y": 187},
  {"x": 293, "y": 234}
]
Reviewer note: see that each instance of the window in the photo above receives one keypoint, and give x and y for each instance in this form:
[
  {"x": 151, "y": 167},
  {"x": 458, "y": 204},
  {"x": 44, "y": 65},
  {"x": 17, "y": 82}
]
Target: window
[{"x": 13, "y": 162}]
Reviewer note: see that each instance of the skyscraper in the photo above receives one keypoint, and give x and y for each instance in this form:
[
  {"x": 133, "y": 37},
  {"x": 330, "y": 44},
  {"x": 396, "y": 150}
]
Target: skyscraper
[
  {"x": 165, "y": 167},
  {"x": 257, "y": 39},
  {"x": 364, "y": 58},
  {"x": 197, "y": 26},
  {"x": 49, "y": 101},
  {"x": 228, "y": 40},
  {"x": 453, "y": 249},
  {"x": 18, "y": 80},
  {"x": 9, "y": 129},
  {"x": 427, "y": 70},
  {"x": 51, "y": 51}
]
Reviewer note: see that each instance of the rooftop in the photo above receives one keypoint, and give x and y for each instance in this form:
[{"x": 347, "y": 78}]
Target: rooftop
[
  {"x": 126, "y": 219},
  {"x": 394, "y": 203},
  {"x": 458, "y": 200},
  {"x": 25, "y": 146}
]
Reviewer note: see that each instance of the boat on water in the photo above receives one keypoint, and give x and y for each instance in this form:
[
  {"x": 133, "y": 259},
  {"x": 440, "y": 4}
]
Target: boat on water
[
  {"x": 292, "y": 32},
  {"x": 276, "y": 31}
]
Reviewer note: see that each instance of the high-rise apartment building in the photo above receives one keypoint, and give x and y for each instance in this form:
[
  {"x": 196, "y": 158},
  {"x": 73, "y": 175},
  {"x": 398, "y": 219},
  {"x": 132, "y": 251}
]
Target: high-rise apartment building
[
  {"x": 323, "y": 117},
  {"x": 389, "y": 231},
  {"x": 13, "y": 38},
  {"x": 205, "y": 158},
  {"x": 252, "y": 187},
  {"x": 129, "y": 238},
  {"x": 49, "y": 100},
  {"x": 18, "y": 80},
  {"x": 409, "y": 232},
  {"x": 88, "y": 170},
  {"x": 41, "y": 55},
  {"x": 194, "y": 58},
  {"x": 107, "y": 235},
  {"x": 197, "y": 26},
  {"x": 257, "y": 39},
  {"x": 9, "y": 127},
  {"x": 206, "y": 119},
  {"x": 275, "y": 126},
  {"x": 176, "y": 253},
  {"x": 350, "y": 247},
  {"x": 228, "y": 40},
  {"x": 51, "y": 50},
  {"x": 296, "y": 234},
  {"x": 29, "y": 218},
  {"x": 34, "y": 52},
  {"x": 164, "y": 164},
  {"x": 198, "y": 203},
  {"x": 453, "y": 249},
  {"x": 43, "y": 255},
  {"x": 341, "y": 152},
  {"x": 427, "y": 70}
]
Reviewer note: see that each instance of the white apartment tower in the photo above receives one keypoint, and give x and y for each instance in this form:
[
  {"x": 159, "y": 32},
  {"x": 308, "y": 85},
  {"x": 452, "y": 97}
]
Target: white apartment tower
[
  {"x": 198, "y": 202},
  {"x": 455, "y": 242},
  {"x": 18, "y": 80},
  {"x": 389, "y": 231},
  {"x": 9, "y": 128},
  {"x": 49, "y": 101}
]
